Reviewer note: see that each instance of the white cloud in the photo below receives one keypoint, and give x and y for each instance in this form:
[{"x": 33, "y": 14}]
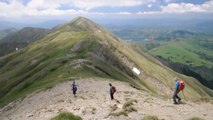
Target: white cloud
[
  {"x": 168, "y": 1},
  {"x": 180, "y": 8},
  {"x": 149, "y": 5},
  {"x": 42, "y": 4},
  {"x": 55, "y": 12},
  {"x": 84, "y": 4},
  {"x": 15, "y": 8},
  {"x": 148, "y": 13},
  {"x": 123, "y": 13},
  {"x": 188, "y": 7}
]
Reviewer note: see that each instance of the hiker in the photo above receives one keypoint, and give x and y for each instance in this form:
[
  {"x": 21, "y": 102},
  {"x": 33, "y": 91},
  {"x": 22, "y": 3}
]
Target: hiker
[
  {"x": 112, "y": 90},
  {"x": 176, "y": 91},
  {"x": 74, "y": 88}
]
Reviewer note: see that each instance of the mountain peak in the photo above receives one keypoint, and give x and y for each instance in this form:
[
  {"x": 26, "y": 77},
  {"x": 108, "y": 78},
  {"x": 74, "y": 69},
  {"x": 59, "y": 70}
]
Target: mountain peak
[
  {"x": 80, "y": 18},
  {"x": 80, "y": 24}
]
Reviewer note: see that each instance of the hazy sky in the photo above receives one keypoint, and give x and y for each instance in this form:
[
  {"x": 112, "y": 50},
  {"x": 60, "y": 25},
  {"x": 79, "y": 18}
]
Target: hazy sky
[{"x": 38, "y": 10}]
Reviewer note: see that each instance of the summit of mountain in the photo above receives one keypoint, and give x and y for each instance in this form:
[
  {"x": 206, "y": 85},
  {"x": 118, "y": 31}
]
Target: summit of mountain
[
  {"x": 84, "y": 49},
  {"x": 84, "y": 25},
  {"x": 79, "y": 24}
]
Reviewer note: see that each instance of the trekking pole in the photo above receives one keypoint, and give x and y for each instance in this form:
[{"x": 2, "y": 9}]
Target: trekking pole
[{"x": 183, "y": 95}]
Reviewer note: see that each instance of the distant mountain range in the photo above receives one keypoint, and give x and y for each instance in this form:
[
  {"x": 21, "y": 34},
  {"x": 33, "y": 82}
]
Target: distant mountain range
[
  {"x": 137, "y": 23},
  {"x": 5, "y": 32},
  {"x": 20, "y": 25},
  {"x": 20, "y": 38}
]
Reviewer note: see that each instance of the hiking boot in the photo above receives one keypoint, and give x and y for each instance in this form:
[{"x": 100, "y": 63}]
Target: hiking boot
[{"x": 175, "y": 103}]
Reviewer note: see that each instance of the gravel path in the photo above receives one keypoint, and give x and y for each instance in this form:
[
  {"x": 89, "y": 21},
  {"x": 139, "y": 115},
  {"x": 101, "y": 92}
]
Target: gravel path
[{"x": 93, "y": 103}]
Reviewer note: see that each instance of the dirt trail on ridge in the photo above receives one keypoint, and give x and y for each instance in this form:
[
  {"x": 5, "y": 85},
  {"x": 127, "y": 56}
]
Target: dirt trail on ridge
[{"x": 93, "y": 103}]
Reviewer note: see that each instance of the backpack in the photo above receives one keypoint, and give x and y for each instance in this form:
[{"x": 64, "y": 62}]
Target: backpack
[
  {"x": 181, "y": 85},
  {"x": 113, "y": 89},
  {"x": 74, "y": 88}
]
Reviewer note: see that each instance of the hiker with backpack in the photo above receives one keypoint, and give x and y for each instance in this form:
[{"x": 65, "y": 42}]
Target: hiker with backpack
[
  {"x": 179, "y": 86},
  {"x": 74, "y": 88},
  {"x": 112, "y": 90}
]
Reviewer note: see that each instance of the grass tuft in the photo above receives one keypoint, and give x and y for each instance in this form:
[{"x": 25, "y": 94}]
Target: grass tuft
[
  {"x": 195, "y": 118},
  {"x": 128, "y": 104},
  {"x": 119, "y": 113},
  {"x": 150, "y": 117},
  {"x": 66, "y": 116},
  {"x": 127, "y": 108},
  {"x": 94, "y": 110}
]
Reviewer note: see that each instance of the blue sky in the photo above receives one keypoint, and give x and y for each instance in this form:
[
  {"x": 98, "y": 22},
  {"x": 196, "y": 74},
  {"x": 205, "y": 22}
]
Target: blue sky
[{"x": 41, "y": 10}]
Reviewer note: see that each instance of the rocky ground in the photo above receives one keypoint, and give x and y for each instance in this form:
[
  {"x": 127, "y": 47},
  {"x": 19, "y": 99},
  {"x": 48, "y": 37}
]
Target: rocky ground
[{"x": 93, "y": 103}]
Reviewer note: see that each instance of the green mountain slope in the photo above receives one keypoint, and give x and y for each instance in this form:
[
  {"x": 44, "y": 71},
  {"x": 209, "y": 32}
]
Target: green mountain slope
[
  {"x": 190, "y": 55},
  {"x": 5, "y": 32},
  {"x": 20, "y": 39},
  {"x": 81, "y": 48}
]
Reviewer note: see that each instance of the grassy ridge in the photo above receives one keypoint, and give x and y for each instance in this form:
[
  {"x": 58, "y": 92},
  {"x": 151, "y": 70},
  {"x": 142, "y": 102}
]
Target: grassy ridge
[
  {"x": 31, "y": 73},
  {"x": 80, "y": 50},
  {"x": 50, "y": 60}
]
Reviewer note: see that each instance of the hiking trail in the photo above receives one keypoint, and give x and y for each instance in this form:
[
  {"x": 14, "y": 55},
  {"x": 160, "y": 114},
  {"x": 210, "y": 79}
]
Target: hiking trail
[{"x": 93, "y": 103}]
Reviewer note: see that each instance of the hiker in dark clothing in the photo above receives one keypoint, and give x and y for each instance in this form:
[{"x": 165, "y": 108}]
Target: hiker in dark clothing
[
  {"x": 74, "y": 88},
  {"x": 176, "y": 91},
  {"x": 112, "y": 90}
]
